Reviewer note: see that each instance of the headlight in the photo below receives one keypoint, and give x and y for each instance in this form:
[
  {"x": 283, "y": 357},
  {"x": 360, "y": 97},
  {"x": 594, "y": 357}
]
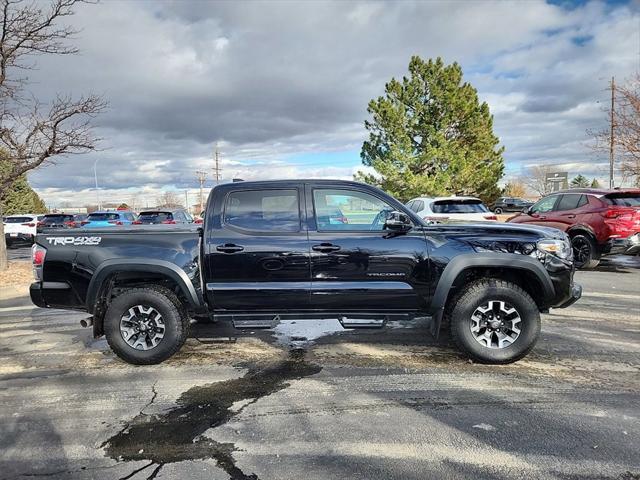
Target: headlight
[{"x": 559, "y": 248}]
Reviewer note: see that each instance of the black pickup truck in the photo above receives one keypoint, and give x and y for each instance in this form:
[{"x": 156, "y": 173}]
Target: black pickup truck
[{"x": 307, "y": 249}]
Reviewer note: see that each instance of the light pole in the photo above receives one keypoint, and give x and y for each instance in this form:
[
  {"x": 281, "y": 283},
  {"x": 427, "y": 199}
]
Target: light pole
[{"x": 95, "y": 175}]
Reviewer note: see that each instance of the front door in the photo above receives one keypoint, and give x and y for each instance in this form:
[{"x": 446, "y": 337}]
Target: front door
[
  {"x": 258, "y": 256},
  {"x": 356, "y": 265}
]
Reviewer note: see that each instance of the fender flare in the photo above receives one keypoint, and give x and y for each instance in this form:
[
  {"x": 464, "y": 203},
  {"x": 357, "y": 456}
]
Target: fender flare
[
  {"x": 489, "y": 260},
  {"x": 168, "y": 269},
  {"x": 581, "y": 228}
]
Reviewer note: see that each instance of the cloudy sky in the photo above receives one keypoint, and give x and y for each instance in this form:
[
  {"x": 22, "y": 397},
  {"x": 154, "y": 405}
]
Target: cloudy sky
[{"x": 282, "y": 87}]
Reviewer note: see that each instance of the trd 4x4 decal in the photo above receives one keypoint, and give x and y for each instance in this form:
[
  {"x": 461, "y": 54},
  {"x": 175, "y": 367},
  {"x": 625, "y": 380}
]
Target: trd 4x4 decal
[{"x": 74, "y": 240}]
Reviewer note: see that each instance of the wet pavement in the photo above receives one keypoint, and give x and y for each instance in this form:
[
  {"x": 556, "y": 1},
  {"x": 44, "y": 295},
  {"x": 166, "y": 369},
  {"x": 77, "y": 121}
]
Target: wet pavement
[{"x": 315, "y": 401}]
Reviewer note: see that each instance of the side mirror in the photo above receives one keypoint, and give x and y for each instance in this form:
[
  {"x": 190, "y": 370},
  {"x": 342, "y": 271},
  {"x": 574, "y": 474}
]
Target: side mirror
[
  {"x": 397, "y": 222},
  {"x": 526, "y": 210}
]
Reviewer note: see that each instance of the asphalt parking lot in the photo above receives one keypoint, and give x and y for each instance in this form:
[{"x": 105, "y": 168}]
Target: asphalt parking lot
[{"x": 393, "y": 404}]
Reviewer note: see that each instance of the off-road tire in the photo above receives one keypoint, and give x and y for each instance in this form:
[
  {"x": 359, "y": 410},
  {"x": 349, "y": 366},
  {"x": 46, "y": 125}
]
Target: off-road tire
[
  {"x": 461, "y": 307},
  {"x": 585, "y": 242},
  {"x": 173, "y": 313},
  {"x": 497, "y": 210}
]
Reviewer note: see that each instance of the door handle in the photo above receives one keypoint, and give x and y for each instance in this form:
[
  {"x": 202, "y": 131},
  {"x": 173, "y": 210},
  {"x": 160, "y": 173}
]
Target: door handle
[
  {"x": 570, "y": 216},
  {"x": 326, "y": 247},
  {"x": 229, "y": 248},
  {"x": 542, "y": 217}
]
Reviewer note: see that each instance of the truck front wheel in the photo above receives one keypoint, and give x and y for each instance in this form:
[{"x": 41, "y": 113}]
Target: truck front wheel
[
  {"x": 146, "y": 325},
  {"x": 494, "y": 321}
]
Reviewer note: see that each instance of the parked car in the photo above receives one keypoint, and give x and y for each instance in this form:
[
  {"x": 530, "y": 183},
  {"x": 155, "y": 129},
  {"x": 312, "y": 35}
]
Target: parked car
[
  {"x": 166, "y": 216},
  {"x": 55, "y": 220},
  {"x": 599, "y": 222},
  {"x": 20, "y": 228},
  {"x": 442, "y": 209},
  {"x": 509, "y": 204},
  {"x": 78, "y": 218},
  {"x": 264, "y": 257},
  {"x": 108, "y": 219}
]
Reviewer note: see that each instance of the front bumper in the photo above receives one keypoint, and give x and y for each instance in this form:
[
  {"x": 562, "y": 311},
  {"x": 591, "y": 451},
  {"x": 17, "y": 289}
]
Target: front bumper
[{"x": 576, "y": 293}]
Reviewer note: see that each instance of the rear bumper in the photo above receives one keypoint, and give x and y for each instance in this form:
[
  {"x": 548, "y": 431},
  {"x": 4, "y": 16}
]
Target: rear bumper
[
  {"x": 18, "y": 237},
  {"x": 35, "y": 292},
  {"x": 625, "y": 246}
]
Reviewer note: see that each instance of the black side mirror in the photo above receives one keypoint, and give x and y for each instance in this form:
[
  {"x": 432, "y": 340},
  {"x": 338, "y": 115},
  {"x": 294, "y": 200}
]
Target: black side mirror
[{"x": 398, "y": 222}]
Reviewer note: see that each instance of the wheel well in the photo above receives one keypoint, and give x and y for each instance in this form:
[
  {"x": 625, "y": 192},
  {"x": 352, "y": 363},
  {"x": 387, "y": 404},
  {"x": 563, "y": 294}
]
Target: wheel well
[
  {"x": 526, "y": 280},
  {"x": 581, "y": 231},
  {"x": 118, "y": 282}
]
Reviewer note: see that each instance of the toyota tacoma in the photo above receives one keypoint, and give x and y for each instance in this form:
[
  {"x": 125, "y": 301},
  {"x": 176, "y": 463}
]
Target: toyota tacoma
[{"x": 307, "y": 249}]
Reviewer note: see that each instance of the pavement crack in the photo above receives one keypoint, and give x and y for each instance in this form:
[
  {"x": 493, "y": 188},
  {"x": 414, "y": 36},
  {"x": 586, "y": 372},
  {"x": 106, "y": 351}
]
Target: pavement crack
[{"x": 177, "y": 434}]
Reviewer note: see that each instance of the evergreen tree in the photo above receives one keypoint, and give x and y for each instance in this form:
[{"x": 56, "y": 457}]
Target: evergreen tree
[
  {"x": 20, "y": 198},
  {"x": 579, "y": 181},
  {"x": 430, "y": 135},
  {"x": 595, "y": 183}
]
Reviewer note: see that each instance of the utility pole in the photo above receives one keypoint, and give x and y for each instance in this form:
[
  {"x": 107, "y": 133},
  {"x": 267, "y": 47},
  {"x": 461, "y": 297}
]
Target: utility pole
[
  {"x": 202, "y": 176},
  {"x": 186, "y": 201},
  {"x": 611, "y": 139},
  {"x": 217, "y": 170}
]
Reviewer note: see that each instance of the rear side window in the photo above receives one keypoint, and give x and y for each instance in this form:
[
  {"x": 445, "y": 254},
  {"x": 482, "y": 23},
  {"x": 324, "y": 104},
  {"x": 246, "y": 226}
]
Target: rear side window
[
  {"x": 571, "y": 201},
  {"x": 458, "y": 206},
  {"x": 418, "y": 206},
  {"x": 624, "y": 199},
  {"x": 263, "y": 210},
  {"x": 18, "y": 220}
]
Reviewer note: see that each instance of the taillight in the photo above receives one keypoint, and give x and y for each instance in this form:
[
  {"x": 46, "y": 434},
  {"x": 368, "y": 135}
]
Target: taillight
[
  {"x": 37, "y": 255},
  {"x": 490, "y": 217},
  {"x": 70, "y": 224},
  {"x": 37, "y": 258},
  {"x": 28, "y": 224},
  {"x": 136, "y": 222},
  {"x": 115, "y": 222},
  {"x": 84, "y": 222},
  {"x": 40, "y": 224},
  {"x": 343, "y": 220},
  {"x": 198, "y": 221},
  {"x": 611, "y": 213},
  {"x": 169, "y": 222}
]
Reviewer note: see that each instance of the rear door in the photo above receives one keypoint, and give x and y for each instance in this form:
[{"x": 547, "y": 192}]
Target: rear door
[
  {"x": 356, "y": 265},
  {"x": 258, "y": 250},
  {"x": 568, "y": 210}
]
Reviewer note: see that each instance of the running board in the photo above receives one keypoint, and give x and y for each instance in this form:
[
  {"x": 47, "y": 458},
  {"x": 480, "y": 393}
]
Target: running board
[{"x": 349, "y": 322}]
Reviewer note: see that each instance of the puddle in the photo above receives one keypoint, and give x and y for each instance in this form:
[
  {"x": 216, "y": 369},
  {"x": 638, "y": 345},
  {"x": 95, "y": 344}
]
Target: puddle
[
  {"x": 177, "y": 435},
  {"x": 302, "y": 333}
]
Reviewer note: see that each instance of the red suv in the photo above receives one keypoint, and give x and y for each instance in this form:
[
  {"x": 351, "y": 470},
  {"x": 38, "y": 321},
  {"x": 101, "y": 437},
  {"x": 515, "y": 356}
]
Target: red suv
[{"x": 599, "y": 222}]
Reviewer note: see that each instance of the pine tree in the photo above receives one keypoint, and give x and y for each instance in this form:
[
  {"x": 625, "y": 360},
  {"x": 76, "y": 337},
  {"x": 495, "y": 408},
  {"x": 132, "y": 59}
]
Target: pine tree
[
  {"x": 430, "y": 135},
  {"x": 579, "y": 181},
  {"x": 20, "y": 198}
]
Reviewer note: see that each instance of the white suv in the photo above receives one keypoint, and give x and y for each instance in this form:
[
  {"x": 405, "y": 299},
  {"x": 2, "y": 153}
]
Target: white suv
[
  {"x": 20, "y": 228},
  {"x": 443, "y": 209}
]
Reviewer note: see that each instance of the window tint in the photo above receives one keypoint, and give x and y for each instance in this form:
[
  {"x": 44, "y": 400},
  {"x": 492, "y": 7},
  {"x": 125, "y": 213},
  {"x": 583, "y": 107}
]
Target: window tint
[
  {"x": 102, "y": 217},
  {"x": 263, "y": 210},
  {"x": 410, "y": 205},
  {"x": 624, "y": 199},
  {"x": 154, "y": 217},
  {"x": 18, "y": 220},
  {"x": 349, "y": 210},
  {"x": 458, "y": 206},
  {"x": 419, "y": 206},
  {"x": 544, "y": 205},
  {"x": 569, "y": 201},
  {"x": 57, "y": 218}
]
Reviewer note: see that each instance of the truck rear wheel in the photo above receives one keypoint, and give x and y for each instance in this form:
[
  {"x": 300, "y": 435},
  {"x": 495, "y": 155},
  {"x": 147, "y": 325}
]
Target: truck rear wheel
[
  {"x": 146, "y": 325},
  {"x": 494, "y": 321}
]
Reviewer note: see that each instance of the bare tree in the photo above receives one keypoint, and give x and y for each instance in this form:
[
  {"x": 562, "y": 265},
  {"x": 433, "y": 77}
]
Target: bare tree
[
  {"x": 536, "y": 179},
  {"x": 33, "y": 133},
  {"x": 515, "y": 188},
  {"x": 626, "y": 129},
  {"x": 169, "y": 199}
]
